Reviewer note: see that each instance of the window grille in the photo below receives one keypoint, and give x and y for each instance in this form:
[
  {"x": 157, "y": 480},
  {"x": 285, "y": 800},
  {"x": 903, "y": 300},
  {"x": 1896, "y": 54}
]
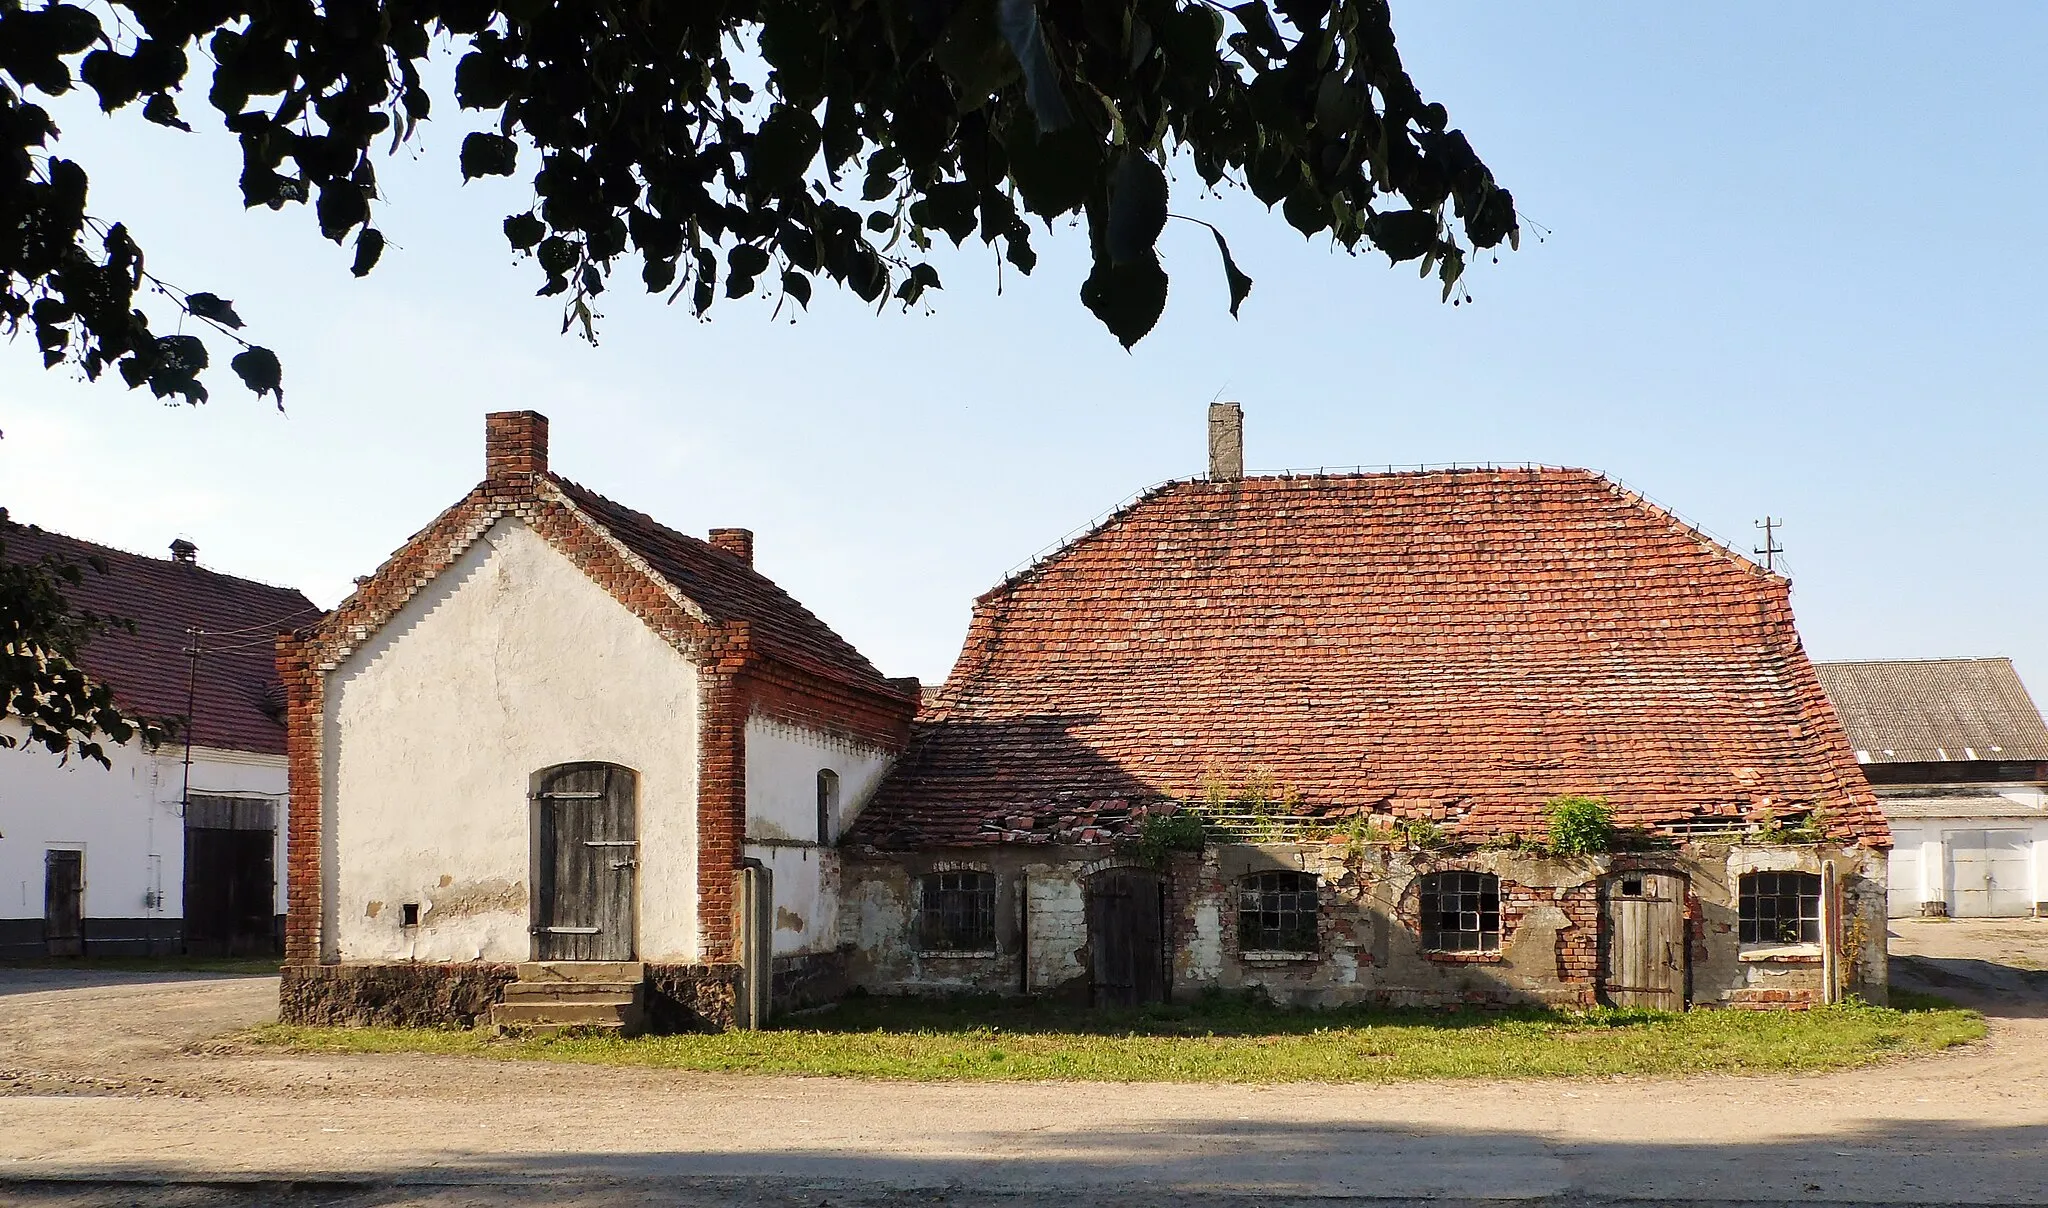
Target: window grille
[
  {"x": 1276, "y": 912},
  {"x": 1780, "y": 908},
  {"x": 1461, "y": 912},
  {"x": 957, "y": 912}
]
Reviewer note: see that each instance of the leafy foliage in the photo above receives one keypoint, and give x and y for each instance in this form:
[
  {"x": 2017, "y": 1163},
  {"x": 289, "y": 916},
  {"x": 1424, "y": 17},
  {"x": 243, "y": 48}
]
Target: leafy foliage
[
  {"x": 41, "y": 684},
  {"x": 1162, "y": 833},
  {"x": 875, "y": 127},
  {"x": 1580, "y": 826}
]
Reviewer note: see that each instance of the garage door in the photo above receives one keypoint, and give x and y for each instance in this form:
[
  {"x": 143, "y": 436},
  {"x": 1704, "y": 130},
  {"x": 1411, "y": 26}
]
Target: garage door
[
  {"x": 1989, "y": 874},
  {"x": 1904, "y": 900}
]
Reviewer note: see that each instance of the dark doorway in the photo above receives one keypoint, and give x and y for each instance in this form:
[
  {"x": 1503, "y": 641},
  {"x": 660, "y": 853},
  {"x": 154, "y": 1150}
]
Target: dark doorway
[
  {"x": 586, "y": 862},
  {"x": 1126, "y": 938},
  {"x": 1643, "y": 934},
  {"x": 230, "y": 876},
  {"x": 64, "y": 902}
]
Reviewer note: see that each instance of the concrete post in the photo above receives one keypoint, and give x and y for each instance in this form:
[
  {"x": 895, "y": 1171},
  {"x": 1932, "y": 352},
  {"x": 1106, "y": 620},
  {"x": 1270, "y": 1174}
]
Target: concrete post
[
  {"x": 754, "y": 901},
  {"x": 1226, "y": 442}
]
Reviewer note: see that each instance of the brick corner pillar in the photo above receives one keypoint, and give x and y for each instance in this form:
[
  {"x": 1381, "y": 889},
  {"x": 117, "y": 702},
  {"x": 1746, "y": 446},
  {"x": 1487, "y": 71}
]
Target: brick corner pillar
[
  {"x": 515, "y": 445},
  {"x": 305, "y": 692},
  {"x": 722, "y": 790}
]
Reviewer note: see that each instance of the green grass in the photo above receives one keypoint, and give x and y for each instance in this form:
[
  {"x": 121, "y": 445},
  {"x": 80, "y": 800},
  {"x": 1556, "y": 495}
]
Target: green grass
[{"x": 1222, "y": 1040}]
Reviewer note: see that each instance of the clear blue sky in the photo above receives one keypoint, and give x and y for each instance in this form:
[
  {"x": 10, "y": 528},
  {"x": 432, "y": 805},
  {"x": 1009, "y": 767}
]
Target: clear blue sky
[{"x": 1793, "y": 270}]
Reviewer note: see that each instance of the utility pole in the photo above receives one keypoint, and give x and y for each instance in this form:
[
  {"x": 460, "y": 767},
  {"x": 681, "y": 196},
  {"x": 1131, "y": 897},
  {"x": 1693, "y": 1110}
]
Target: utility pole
[
  {"x": 1770, "y": 549},
  {"x": 195, "y": 636}
]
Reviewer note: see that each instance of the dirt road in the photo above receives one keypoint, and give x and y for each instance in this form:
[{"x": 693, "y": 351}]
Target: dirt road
[{"x": 113, "y": 1078}]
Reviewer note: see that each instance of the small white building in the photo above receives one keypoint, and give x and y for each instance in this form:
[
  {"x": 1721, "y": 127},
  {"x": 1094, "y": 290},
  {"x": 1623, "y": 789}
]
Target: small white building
[
  {"x": 173, "y": 848},
  {"x": 1958, "y": 755},
  {"x": 551, "y": 729}
]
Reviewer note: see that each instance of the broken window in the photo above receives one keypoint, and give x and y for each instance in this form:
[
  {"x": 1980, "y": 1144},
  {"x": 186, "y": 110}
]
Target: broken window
[
  {"x": 1780, "y": 908},
  {"x": 828, "y": 804},
  {"x": 1276, "y": 912},
  {"x": 957, "y": 912},
  {"x": 1461, "y": 912}
]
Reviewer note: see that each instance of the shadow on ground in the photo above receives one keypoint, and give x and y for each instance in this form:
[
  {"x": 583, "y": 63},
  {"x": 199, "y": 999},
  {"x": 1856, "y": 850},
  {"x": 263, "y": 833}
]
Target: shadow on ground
[{"x": 1207, "y": 1163}]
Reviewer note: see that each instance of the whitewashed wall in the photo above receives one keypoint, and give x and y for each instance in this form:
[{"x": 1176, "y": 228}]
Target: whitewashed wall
[
  {"x": 783, "y": 762},
  {"x": 1921, "y": 855},
  {"x": 513, "y": 660},
  {"x": 126, "y": 819}
]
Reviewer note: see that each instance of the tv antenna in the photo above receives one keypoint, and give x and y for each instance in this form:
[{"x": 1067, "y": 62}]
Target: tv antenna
[{"x": 1770, "y": 549}]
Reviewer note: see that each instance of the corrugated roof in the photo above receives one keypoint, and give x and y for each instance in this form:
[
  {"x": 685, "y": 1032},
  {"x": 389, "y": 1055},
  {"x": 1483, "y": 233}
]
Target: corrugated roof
[
  {"x": 1935, "y": 710},
  {"x": 1456, "y": 645},
  {"x": 236, "y": 702}
]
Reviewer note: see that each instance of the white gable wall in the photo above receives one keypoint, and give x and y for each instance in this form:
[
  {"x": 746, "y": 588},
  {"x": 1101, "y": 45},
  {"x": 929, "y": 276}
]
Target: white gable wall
[
  {"x": 511, "y": 661},
  {"x": 783, "y": 762}
]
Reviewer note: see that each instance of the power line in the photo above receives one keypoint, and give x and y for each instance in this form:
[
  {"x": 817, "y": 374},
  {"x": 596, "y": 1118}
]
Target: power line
[{"x": 1770, "y": 549}]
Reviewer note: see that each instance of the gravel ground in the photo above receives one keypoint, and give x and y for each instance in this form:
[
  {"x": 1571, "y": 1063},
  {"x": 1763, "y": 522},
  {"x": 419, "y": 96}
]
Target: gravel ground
[{"x": 117, "y": 1088}]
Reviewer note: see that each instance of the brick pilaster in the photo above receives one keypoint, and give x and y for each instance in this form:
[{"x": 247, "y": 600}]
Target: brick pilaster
[
  {"x": 305, "y": 696},
  {"x": 722, "y": 786}
]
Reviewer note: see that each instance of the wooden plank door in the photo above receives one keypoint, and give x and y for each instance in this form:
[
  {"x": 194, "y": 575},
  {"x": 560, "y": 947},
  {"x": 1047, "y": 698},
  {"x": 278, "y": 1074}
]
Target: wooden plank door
[
  {"x": 64, "y": 902},
  {"x": 587, "y": 862},
  {"x": 1643, "y": 925},
  {"x": 1126, "y": 938}
]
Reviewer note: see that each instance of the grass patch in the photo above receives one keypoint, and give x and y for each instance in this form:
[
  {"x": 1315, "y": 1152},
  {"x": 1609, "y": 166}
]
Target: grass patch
[
  {"x": 1221, "y": 1040},
  {"x": 251, "y": 966}
]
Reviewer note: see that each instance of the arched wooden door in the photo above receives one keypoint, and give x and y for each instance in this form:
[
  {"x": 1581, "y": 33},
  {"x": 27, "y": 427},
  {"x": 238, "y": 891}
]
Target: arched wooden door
[
  {"x": 1642, "y": 925},
  {"x": 586, "y": 862},
  {"x": 1126, "y": 938}
]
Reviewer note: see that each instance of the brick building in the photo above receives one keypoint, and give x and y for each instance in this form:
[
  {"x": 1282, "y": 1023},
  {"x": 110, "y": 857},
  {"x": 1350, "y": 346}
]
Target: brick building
[
  {"x": 551, "y": 737},
  {"x": 1374, "y": 683}
]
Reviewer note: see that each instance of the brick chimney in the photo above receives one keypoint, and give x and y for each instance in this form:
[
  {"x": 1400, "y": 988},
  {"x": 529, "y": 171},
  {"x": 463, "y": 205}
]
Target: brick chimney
[
  {"x": 515, "y": 442},
  {"x": 738, "y": 542},
  {"x": 1226, "y": 442}
]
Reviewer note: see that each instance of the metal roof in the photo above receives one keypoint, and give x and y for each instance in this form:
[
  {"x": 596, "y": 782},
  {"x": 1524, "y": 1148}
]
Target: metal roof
[{"x": 1935, "y": 710}]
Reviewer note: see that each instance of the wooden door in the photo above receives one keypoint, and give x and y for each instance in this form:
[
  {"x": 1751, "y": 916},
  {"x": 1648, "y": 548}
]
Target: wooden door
[
  {"x": 64, "y": 902},
  {"x": 1643, "y": 925},
  {"x": 230, "y": 876},
  {"x": 1126, "y": 938},
  {"x": 586, "y": 856}
]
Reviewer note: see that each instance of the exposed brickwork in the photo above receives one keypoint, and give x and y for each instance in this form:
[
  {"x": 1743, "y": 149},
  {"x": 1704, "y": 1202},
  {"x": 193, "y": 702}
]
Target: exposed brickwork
[
  {"x": 738, "y": 542},
  {"x": 305, "y": 695},
  {"x": 1457, "y": 645},
  {"x": 1772, "y": 1000},
  {"x": 515, "y": 445},
  {"x": 398, "y": 994},
  {"x": 721, "y": 800}
]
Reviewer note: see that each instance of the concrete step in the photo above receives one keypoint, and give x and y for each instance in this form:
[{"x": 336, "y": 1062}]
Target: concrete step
[
  {"x": 576, "y": 990},
  {"x": 558, "y": 1029},
  {"x": 621, "y": 1012},
  {"x": 582, "y": 971}
]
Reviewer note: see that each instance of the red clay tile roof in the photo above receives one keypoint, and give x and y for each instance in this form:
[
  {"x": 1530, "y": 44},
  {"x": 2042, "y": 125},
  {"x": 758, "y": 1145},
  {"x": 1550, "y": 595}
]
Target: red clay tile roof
[
  {"x": 236, "y": 702},
  {"x": 728, "y": 589},
  {"x": 1460, "y": 645}
]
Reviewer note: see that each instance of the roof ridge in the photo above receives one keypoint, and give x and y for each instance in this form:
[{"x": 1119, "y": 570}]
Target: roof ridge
[{"x": 184, "y": 567}]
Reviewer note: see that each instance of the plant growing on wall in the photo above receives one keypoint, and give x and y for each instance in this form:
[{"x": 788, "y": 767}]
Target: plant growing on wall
[
  {"x": 1162, "y": 834},
  {"x": 1580, "y": 826}
]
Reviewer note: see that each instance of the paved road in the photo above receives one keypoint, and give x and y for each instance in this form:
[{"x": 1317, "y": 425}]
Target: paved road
[{"x": 114, "y": 1081}]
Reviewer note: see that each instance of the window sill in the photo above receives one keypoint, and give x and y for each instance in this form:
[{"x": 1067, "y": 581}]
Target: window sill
[
  {"x": 1277, "y": 956},
  {"x": 1791, "y": 954},
  {"x": 957, "y": 954},
  {"x": 1464, "y": 958}
]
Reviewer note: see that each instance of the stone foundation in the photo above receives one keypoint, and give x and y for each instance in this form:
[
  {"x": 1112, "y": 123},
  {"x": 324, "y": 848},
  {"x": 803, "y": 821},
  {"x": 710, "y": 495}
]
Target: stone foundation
[
  {"x": 397, "y": 994},
  {"x": 809, "y": 979},
  {"x": 692, "y": 998}
]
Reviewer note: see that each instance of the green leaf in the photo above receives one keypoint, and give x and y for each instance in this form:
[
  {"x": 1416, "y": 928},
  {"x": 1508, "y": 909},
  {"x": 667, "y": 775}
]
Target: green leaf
[
  {"x": 797, "y": 286},
  {"x": 213, "y": 307},
  {"x": 1128, "y": 298},
  {"x": 1240, "y": 285},
  {"x": 1055, "y": 173},
  {"x": 259, "y": 371},
  {"x": 1137, "y": 208},
  {"x": 488, "y": 155},
  {"x": 1019, "y": 22},
  {"x": 524, "y": 230},
  {"x": 369, "y": 246}
]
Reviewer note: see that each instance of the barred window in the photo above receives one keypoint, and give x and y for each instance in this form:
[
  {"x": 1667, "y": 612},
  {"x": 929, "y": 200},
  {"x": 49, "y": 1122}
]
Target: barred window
[
  {"x": 1276, "y": 912},
  {"x": 1461, "y": 912},
  {"x": 1780, "y": 908},
  {"x": 957, "y": 912}
]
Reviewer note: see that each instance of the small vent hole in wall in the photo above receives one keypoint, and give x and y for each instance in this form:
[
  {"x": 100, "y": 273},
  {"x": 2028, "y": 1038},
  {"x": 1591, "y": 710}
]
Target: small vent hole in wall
[
  {"x": 409, "y": 915},
  {"x": 1632, "y": 888}
]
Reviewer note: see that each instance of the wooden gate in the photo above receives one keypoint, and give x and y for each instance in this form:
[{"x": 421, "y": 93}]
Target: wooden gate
[
  {"x": 64, "y": 902},
  {"x": 230, "y": 876},
  {"x": 586, "y": 862},
  {"x": 1643, "y": 937},
  {"x": 1126, "y": 939}
]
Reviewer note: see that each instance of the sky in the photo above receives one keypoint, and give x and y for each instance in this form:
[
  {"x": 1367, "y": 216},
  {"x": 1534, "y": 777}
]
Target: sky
[{"x": 1788, "y": 270}]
